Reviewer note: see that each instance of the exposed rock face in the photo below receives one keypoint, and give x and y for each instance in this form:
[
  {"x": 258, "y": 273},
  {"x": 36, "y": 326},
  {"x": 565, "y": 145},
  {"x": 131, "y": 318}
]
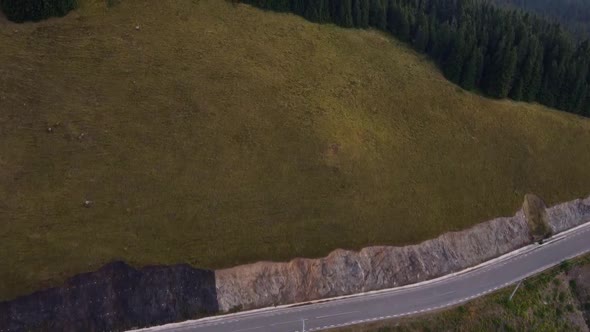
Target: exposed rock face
[
  {"x": 570, "y": 214},
  {"x": 117, "y": 296},
  {"x": 348, "y": 272},
  {"x": 114, "y": 298}
]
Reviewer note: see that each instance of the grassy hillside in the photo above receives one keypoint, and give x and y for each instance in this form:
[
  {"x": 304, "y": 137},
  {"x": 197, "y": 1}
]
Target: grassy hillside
[{"x": 216, "y": 134}]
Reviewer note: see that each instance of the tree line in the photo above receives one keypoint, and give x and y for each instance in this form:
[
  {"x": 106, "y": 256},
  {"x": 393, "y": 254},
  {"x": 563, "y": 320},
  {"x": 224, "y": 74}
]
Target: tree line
[
  {"x": 574, "y": 15},
  {"x": 35, "y": 10},
  {"x": 479, "y": 46}
]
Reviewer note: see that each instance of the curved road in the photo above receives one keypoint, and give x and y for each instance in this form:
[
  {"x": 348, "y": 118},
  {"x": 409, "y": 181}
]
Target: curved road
[{"x": 427, "y": 296}]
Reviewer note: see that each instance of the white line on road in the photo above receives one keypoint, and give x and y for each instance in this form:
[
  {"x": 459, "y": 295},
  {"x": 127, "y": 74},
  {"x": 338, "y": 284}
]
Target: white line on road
[
  {"x": 334, "y": 315},
  {"x": 289, "y": 322},
  {"x": 446, "y": 293}
]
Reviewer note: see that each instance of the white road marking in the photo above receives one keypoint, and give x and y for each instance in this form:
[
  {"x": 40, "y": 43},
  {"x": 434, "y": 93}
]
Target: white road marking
[
  {"x": 446, "y": 293},
  {"x": 288, "y": 322},
  {"x": 334, "y": 315}
]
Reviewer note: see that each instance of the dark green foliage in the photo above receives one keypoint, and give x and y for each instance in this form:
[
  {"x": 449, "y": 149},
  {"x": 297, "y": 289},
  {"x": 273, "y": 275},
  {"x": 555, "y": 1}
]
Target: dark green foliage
[
  {"x": 298, "y": 7},
  {"x": 441, "y": 41},
  {"x": 356, "y": 14},
  {"x": 453, "y": 64},
  {"x": 561, "y": 297},
  {"x": 343, "y": 14},
  {"x": 506, "y": 74},
  {"x": 313, "y": 10},
  {"x": 35, "y": 10},
  {"x": 397, "y": 22},
  {"x": 422, "y": 34},
  {"x": 364, "y": 13},
  {"x": 573, "y": 14},
  {"x": 500, "y": 52},
  {"x": 377, "y": 14},
  {"x": 113, "y": 3},
  {"x": 470, "y": 71}
]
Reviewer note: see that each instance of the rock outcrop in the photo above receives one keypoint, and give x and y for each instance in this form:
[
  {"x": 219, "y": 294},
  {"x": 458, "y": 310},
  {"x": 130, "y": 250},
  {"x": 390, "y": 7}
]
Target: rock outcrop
[
  {"x": 117, "y": 296},
  {"x": 568, "y": 215},
  {"x": 114, "y": 298},
  {"x": 348, "y": 272}
]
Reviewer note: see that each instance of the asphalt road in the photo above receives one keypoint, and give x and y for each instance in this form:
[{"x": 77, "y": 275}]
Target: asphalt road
[{"x": 424, "y": 297}]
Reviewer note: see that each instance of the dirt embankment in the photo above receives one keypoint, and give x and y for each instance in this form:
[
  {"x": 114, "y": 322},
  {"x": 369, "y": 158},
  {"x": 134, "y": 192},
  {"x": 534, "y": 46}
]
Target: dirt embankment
[{"x": 348, "y": 272}]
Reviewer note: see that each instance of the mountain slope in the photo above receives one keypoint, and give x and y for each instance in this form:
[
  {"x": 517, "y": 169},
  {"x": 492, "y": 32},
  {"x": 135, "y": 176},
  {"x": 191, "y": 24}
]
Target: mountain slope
[{"x": 214, "y": 134}]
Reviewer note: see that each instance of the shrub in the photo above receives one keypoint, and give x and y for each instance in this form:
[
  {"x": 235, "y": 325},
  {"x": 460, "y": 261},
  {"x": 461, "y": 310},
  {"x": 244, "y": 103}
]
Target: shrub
[
  {"x": 565, "y": 266},
  {"x": 35, "y": 10},
  {"x": 112, "y": 3},
  {"x": 561, "y": 297}
]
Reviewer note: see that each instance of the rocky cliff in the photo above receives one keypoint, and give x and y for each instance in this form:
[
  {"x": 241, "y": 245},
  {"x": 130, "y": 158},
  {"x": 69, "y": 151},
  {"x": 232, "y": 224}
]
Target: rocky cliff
[
  {"x": 567, "y": 215},
  {"x": 114, "y": 298},
  {"x": 346, "y": 272},
  {"x": 118, "y": 296}
]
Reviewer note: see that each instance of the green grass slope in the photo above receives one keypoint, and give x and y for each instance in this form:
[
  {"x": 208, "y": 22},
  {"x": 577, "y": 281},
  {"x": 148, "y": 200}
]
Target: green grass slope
[{"x": 217, "y": 134}]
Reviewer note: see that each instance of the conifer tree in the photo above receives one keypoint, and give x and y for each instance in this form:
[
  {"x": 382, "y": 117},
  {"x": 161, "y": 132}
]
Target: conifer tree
[
  {"x": 503, "y": 78},
  {"x": 298, "y": 6},
  {"x": 377, "y": 15},
  {"x": 455, "y": 58},
  {"x": 365, "y": 11},
  {"x": 356, "y": 13},
  {"x": 313, "y": 10},
  {"x": 35, "y": 10},
  {"x": 469, "y": 72},
  {"x": 421, "y": 38},
  {"x": 345, "y": 13}
]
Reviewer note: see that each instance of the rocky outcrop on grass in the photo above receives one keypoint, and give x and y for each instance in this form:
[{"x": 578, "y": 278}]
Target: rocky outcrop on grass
[
  {"x": 118, "y": 296},
  {"x": 346, "y": 272},
  {"x": 570, "y": 214},
  {"x": 113, "y": 298}
]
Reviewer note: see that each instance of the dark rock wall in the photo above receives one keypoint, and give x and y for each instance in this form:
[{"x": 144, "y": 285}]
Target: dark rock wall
[{"x": 114, "y": 298}]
